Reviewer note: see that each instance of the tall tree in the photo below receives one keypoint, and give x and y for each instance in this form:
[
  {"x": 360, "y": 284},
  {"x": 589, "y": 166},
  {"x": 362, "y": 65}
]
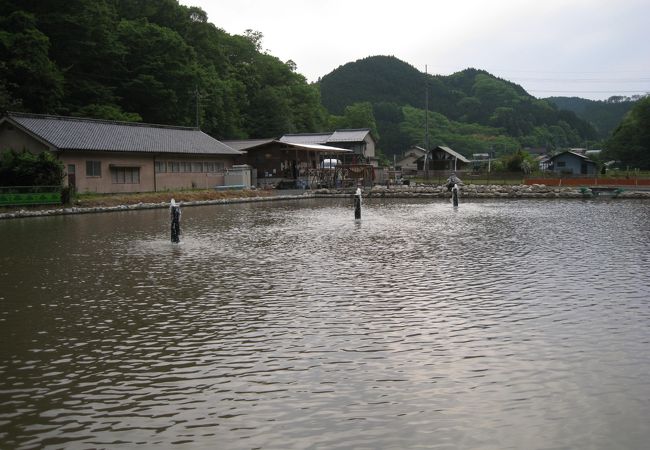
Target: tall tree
[
  {"x": 630, "y": 142},
  {"x": 30, "y": 80}
]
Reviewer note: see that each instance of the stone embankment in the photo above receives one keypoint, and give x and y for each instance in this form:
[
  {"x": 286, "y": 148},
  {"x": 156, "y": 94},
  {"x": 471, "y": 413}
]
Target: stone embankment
[
  {"x": 138, "y": 206},
  {"x": 415, "y": 191},
  {"x": 482, "y": 191}
]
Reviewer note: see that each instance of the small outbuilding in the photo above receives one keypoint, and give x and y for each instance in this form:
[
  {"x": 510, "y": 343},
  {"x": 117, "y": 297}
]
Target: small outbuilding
[
  {"x": 408, "y": 164},
  {"x": 572, "y": 163},
  {"x": 359, "y": 141},
  {"x": 443, "y": 158},
  {"x": 279, "y": 164}
]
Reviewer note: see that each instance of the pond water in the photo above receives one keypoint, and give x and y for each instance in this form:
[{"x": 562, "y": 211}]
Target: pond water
[{"x": 288, "y": 325}]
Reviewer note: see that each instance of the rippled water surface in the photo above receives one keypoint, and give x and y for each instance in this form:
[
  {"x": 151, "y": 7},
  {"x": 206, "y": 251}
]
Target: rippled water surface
[{"x": 288, "y": 325}]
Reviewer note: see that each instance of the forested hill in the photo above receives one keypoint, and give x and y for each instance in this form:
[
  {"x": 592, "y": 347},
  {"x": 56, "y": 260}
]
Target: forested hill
[
  {"x": 471, "y": 109},
  {"x": 148, "y": 60},
  {"x": 604, "y": 115}
]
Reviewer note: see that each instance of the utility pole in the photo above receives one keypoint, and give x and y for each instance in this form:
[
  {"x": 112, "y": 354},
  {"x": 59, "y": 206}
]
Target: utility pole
[
  {"x": 196, "y": 92},
  {"x": 426, "y": 121}
]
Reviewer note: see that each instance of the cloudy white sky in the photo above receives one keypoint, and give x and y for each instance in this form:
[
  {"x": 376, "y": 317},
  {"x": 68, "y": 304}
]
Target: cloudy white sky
[{"x": 587, "y": 48}]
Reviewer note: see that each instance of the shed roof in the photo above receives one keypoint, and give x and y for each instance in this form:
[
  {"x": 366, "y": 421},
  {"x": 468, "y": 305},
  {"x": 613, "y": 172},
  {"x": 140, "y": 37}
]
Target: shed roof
[
  {"x": 306, "y": 138},
  {"x": 453, "y": 153},
  {"x": 264, "y": 143},
  {"x": 571, "y": 152},
  {"x": 348, "y": 135},
  {"x": 72, "y": 133},
  {"x": 357, "y": 135},
  {"x": 245, "y": 144}
]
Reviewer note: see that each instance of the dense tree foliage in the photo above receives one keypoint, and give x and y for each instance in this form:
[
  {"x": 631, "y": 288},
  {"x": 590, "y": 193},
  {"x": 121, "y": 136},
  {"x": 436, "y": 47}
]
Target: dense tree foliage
[
  {"x": 630, "y": 142},
  {"x": 149, "y": 60},
  {"x": 604, "y": 115},
  {"x": 26, "y": 169},
  {"x": 473, "y": 110}
]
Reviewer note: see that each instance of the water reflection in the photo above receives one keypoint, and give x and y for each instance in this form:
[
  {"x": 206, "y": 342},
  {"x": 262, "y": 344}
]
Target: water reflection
[{"x": 517, "y": 324}]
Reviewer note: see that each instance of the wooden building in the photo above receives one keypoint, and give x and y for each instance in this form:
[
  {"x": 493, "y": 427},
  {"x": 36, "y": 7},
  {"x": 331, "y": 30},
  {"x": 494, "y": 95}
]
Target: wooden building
[
  {"x": 290, "y": 165},
  {"x": 359, "y": 141}
]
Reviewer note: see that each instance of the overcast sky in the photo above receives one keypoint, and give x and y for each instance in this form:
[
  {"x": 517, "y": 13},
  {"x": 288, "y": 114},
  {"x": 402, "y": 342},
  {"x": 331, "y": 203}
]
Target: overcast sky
[{"x": 586, "y": 48}]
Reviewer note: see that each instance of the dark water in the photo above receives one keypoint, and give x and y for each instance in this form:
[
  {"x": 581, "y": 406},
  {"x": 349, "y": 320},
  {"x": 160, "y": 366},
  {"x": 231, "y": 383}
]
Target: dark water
[{"x": 499, "y": 325}]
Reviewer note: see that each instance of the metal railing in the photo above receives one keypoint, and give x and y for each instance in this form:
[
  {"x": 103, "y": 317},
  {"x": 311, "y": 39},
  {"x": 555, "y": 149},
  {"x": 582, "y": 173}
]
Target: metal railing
[{"x": 29, "y": 195}]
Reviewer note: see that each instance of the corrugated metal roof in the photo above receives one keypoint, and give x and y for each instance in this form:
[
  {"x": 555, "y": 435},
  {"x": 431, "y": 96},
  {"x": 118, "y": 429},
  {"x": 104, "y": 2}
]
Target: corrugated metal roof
[
  {"x": 320, "y": 148},
  {"x": 349, "y": 135},
  {"x": 70, "y": 133},
  {"x": 265, "y": 143},
  {"x": 454, "y": 153},
  {"x": 570, "y": 152},
  {"x": 306, "y": 138},
  {"x": 355, "y": 135},
  {"x": 245, "y": 144}
]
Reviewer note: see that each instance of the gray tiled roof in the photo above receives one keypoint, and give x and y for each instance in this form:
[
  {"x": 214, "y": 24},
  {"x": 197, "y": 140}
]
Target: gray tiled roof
[{"x": 70, "y": 133}]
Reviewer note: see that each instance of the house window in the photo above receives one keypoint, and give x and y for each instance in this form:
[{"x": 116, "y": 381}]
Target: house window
[
  {"x": 197, "y": 167},
  {"x": 186, "y": 167},
  {"x": 173, "y": 166},
  {"x": 161, "y": 166},
  {"x": 561, "y": 163},
  {"x": 125, "y": 175},
  {"x": 93, "y": 168}
]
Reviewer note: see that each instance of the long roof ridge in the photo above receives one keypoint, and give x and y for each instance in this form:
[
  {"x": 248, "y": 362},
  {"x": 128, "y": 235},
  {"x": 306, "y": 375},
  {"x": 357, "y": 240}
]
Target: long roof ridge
[{"x": 93, "y": 120}]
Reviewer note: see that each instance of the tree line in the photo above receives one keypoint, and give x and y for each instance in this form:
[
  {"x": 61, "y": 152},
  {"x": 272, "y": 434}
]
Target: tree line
[
  {"x": 157, "y": 61},
  {"x": 148, "y": 60}
]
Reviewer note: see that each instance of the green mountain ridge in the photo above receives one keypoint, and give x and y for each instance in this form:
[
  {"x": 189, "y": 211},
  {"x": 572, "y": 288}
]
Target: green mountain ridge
[
  {"x": 482, "y": 112},
  {"x": 604, "y": 115}
]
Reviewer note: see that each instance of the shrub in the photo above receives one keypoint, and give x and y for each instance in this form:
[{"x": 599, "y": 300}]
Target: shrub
[{"x": 26, "y": 169}]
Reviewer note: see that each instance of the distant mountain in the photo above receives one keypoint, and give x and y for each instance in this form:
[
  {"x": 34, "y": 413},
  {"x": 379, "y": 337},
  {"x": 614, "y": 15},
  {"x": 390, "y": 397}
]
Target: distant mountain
[
  {"x": 375, "y": 79},
  {"x": 471, "y": 96},
  {"x": 604, "y": 115}
]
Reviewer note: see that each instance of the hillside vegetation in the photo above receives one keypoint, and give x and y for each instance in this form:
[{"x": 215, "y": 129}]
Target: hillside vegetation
[
  {"x": 151, "y": 61},
  {"x": 471, "y": 111},
  {"x": 604, "y": 115}
]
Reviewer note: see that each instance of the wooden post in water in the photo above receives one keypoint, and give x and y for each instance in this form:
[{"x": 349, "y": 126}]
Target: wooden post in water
[
  {"x": 357, "y": 204},
  {"x": 175, "y": 216},
  {"x": 454, "y": 195}
]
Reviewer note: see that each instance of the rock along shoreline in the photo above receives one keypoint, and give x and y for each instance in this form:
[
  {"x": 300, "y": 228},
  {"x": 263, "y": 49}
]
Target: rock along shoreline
[{"x": 416, "y": 191}]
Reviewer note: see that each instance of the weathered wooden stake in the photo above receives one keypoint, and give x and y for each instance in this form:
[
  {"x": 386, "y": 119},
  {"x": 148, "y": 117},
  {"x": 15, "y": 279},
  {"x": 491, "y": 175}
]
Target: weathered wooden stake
[
  {"x": 357, "y": 204},
  {"x": 454, "y": 195},
  {"x": 175, "y": 216}
]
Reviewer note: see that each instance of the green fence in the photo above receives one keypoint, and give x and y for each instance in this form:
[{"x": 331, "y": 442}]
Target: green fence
[{"x": 30, "y": 195}]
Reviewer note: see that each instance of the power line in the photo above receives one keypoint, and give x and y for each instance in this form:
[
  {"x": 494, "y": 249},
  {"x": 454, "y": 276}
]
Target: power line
[
  {"x": 590, "y": 92},
  {"x": 584, "y": 80}
]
